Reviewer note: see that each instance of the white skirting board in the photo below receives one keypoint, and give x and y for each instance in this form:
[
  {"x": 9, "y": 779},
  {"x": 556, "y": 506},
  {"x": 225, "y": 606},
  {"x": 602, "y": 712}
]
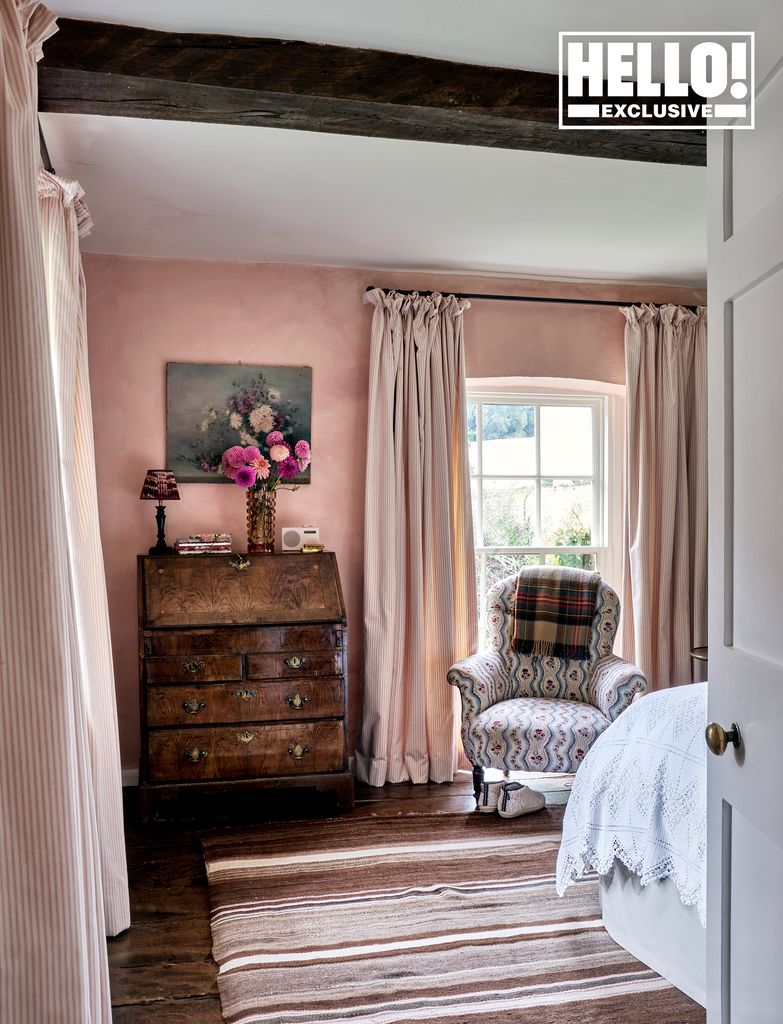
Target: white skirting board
[{"x": 653, "y": 925}]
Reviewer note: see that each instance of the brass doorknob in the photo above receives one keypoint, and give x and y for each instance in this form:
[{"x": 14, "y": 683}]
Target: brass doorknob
[{"x": 718, "y": 739}]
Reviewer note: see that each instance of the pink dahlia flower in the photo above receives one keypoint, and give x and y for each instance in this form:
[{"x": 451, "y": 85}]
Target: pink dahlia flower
[
  {"x": 279, "y": 452},
  {"x": 261, "y": 466},
  {"x": 288, "y": 468},
  {"x": 274, "y": 438},
  {"x": 303, "y": 464},
  {"x": 302, "y": 450},
  {"x": 251, "y": 454},
  {"x": 234, "y": 456},
  {"x": 246, "y": 476},
  {"x": 228, "y": 469}
]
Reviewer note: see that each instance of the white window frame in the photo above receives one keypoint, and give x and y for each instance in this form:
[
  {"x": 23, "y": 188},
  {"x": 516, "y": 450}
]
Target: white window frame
[{"x": 607, "y": 477}]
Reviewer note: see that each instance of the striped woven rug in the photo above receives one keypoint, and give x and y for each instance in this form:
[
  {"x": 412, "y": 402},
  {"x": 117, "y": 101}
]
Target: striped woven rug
[{"x": 447, "y": 918}]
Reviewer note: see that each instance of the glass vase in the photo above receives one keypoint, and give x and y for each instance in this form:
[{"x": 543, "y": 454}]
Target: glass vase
[{"x": 261, "y": 522}]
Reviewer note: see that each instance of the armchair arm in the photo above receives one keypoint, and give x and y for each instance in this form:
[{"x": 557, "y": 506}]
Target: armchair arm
[
  {"x": 614, "y": 685},
  {"x": 483, "y": 680}
]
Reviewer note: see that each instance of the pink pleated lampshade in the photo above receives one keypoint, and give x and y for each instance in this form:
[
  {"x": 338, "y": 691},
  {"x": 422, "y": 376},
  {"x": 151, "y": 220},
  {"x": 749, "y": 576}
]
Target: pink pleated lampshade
[{"x": 159, "y": 485}]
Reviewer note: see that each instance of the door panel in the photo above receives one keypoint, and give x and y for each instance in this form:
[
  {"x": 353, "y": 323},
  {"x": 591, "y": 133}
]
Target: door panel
[
  {"x": 757, "y": 496},
  {"x": 758, "y": 156},
  {"x": 745, "y": 812},
  {"x": 755, "y": 917}
]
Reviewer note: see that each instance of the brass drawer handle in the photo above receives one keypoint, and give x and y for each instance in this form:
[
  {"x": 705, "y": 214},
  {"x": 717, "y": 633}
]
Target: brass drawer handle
[
  {"x": 246, "y": 694},
  {"x": 194, "y": 755},
  {"x": 246, "y": 737},
  {"x": 239, "y": 563},
  {"x": 294, "y": 661},
  {"x": 193, "y": 706},
  {"x": 297, "y": 752},
  {"x": 193, "y": 667},
  {"x": 297, "y": 702}
]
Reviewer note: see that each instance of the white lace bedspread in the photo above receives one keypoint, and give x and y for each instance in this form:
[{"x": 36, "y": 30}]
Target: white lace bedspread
[{"x": 641, "y": 796}]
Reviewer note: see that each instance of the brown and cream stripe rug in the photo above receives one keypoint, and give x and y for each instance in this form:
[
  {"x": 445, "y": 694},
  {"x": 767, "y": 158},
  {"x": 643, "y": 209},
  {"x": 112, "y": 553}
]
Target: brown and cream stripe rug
[{"x": 447, "y": 918}]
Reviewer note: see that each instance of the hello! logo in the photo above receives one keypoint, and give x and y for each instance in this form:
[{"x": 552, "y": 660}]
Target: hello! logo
[{"x": 656, "y": 80}]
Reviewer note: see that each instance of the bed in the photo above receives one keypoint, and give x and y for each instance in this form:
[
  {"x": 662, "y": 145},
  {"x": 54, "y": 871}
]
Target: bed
[{"x": 638, "y": 816}]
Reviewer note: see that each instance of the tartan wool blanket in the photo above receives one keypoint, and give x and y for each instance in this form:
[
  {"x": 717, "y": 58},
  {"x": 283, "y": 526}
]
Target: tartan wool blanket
[{"x": 554, "y": 609}]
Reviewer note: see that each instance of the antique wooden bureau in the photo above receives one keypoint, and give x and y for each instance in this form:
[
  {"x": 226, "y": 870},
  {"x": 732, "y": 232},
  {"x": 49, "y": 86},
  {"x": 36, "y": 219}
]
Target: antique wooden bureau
[{"x": 242, "y": 664}]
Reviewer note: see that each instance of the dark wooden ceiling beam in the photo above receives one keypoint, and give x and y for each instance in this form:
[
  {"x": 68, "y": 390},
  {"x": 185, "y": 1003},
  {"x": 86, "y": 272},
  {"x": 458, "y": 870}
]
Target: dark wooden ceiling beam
[{"x": 119, "y": 70}]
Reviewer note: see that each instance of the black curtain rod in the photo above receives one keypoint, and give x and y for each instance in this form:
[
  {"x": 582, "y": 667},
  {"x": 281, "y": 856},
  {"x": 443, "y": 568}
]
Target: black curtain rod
[{"x": 527, "y": 298}]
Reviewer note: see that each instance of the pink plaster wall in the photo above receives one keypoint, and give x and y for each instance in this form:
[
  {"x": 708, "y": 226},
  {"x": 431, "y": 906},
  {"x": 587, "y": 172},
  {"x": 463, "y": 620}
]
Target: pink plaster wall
[{"x": 144, "y": 313}]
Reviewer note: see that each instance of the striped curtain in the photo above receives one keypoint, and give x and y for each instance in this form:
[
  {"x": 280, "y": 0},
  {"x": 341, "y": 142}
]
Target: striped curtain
[
  {"x": 665, "y": 579},
  {"x": 419, "y": 574},
  {"x": 64, "y": 219},
  {"x": 53, "y": 963}
]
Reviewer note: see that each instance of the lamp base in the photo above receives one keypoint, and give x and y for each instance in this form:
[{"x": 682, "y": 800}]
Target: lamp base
[{"x": 161, "y": 548}]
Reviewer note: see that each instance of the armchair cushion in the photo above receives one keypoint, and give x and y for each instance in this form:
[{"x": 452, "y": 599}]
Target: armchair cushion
[
  {"x": 614, "y": 684},
  {"x": 533, "y": 734}
]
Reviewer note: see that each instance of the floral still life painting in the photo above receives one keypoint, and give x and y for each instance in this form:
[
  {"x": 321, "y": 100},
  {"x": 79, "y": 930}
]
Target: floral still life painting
[{"x": 212, "y": 407}]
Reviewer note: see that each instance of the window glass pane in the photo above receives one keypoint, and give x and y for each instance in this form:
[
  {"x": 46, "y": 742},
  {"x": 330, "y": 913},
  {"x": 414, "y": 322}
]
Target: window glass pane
[
  {"x": 566, "y": 512},
  {"x": 508, "y": 440},
  {"x": 472, "y": 438},
  {"x": 500, "y": 566},
  {"x": 575, "y": 561},
  {"x": 509, "y": 513},
  {"x": 567, "y": 440}
]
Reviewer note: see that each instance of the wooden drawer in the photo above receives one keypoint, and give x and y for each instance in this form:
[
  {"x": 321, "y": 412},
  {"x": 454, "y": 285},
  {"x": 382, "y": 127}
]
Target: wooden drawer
[
  {"x": 277, "y": 701},
  {"x": 198, "y": 668},
  {"x": 261, "y": 640},
  {"x": 251, "y": 590},
  {"x": 298, "y": 663},
  {"x": 245, "y": 751}
]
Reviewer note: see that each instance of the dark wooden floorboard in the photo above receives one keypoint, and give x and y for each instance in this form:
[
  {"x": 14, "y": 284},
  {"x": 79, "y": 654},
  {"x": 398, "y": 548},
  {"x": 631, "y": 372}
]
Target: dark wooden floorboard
[
  {"x": 193, "y": 1010},
  {"x": 161, "y": 969}
]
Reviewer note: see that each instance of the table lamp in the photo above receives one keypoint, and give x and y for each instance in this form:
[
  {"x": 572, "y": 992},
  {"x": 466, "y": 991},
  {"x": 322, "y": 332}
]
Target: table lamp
[{"x": 160, "y": 486}]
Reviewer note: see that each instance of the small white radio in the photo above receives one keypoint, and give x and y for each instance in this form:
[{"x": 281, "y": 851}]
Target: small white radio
[{"x": 295, "y": 537}]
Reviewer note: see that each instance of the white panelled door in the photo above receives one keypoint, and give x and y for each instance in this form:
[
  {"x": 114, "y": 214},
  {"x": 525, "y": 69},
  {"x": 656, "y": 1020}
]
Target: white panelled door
[{"x": 745, "y": 861}]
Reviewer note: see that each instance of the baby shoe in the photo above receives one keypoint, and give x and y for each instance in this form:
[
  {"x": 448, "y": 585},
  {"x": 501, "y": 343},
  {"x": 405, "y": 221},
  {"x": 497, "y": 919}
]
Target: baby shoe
[
  {"x": 517, "y": 799},
  {"x": 489, "y": 795}
]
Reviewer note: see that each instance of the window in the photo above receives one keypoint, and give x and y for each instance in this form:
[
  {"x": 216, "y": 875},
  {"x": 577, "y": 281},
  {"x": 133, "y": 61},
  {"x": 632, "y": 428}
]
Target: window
[{"x": 538, "y": 482}]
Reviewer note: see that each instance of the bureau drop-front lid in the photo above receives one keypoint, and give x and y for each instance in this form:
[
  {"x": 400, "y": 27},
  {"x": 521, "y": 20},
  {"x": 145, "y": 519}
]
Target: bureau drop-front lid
[{"x": 214, "y": 590}]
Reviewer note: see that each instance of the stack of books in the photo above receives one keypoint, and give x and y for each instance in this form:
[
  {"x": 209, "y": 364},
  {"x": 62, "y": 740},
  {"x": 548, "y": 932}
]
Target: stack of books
[{"x": 204, "y": 544}]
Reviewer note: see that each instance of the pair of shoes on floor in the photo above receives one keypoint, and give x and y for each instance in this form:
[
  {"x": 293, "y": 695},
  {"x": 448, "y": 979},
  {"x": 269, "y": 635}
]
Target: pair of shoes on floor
[{"x": 509, "y": 799}]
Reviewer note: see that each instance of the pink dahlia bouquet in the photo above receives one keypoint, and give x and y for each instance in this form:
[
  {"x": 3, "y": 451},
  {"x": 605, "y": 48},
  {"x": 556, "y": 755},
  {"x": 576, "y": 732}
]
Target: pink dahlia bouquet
[{"x": 252, "y": 470}]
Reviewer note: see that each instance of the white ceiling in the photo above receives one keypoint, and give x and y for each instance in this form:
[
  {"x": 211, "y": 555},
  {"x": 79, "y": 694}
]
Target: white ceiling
[
  {"x": 176, "y": 189},
  {"x": 168, "y": 189},
  {"x": 501, "y": 33}
]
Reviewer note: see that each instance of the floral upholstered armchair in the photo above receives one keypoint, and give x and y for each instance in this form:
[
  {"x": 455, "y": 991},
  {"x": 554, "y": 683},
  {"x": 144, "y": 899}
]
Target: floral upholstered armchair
[{"x": 540, "y": 713}]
